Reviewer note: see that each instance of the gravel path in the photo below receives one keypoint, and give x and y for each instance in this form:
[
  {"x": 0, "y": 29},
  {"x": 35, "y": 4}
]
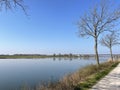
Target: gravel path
[{"x": 109, "y": 82}]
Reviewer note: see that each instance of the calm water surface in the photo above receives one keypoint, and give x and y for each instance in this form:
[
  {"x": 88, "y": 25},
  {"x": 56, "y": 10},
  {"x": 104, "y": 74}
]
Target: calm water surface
[{"x": 16, "y": 72}]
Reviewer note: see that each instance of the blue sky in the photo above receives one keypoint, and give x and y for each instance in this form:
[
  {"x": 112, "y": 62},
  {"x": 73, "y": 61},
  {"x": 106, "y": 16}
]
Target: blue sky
[{"x": 50, "y": 28}]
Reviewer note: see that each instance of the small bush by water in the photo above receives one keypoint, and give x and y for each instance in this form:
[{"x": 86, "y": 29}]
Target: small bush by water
[{"x": 82, "y": 79}]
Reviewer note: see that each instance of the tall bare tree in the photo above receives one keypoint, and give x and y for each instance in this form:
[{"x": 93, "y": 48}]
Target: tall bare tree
[
  {"x": 110, "y": 40},
  {"x": 11, "y": 4},
  {"x": 99, "y": 19}
]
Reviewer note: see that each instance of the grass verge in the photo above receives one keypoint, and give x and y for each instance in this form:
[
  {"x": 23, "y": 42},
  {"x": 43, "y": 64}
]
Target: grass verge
[
  {"x": 92, "y": 79},
  {"x": 82, "y": 79}
]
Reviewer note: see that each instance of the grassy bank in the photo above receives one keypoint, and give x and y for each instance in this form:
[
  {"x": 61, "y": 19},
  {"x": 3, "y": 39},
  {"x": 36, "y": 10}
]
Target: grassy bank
[{"x": 82, "y": 79}]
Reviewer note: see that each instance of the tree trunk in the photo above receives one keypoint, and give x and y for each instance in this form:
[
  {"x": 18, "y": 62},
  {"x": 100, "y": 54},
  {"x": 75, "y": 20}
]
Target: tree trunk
[
  {"x": 111, "y": 54},
  {"x": 96, "y": 52}
]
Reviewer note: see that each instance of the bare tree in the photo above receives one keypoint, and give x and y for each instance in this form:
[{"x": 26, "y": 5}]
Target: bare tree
[
  {"x": 109, "y": 41},
  {"x": 10, "y": 4},
  {"x": 101, "y": 18}
]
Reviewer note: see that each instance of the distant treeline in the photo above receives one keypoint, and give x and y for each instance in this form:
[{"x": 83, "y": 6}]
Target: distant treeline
[
  {"x": 15, "y": 56},
  {"x": 42, "y": 56}
]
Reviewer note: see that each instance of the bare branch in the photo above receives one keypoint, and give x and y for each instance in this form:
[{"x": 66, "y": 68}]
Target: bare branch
[
  {"x": 110, "y": 40},
  {"x": 10, "y": 4},
  {"x": 101, "y": 18}
]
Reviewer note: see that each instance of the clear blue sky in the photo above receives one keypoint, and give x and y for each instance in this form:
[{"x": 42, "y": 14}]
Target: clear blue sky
[{"x": 49, "y": 29}]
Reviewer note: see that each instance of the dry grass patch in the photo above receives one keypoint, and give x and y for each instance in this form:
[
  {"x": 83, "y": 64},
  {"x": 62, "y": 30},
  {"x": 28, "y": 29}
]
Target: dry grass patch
[{"x": 82, "y": 79}]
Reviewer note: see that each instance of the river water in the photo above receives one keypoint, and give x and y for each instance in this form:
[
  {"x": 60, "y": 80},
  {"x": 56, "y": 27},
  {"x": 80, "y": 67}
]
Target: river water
[{"x": 14, "y": 73}]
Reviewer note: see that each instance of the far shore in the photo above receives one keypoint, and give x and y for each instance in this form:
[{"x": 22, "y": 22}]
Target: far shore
[{"x": 37, "y": 56}]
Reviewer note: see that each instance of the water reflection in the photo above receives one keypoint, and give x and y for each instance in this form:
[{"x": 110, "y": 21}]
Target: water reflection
[
  {"x": 81, "y": 58},
  {"x": 72, "y": 58},
  {"x": 16, "y": 72}
]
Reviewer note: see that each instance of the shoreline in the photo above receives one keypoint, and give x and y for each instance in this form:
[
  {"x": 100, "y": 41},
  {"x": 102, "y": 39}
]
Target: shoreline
[
  {"x": 82, "y": 79},
  {"x": 70, "y": 56},
  {"x": 110, "y": 81}
]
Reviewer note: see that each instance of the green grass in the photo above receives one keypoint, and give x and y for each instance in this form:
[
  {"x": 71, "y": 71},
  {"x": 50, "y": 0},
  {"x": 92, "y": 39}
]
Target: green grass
[
  {"x": 82, "y": 79},
  {"x": 95, "y": 77}
]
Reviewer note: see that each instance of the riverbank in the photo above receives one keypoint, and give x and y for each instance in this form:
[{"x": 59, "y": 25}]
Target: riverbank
[
  {"x": 82, "y": 79},
  {"x": 110, "y": 81}
]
